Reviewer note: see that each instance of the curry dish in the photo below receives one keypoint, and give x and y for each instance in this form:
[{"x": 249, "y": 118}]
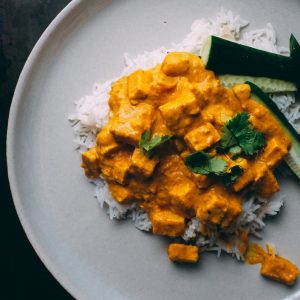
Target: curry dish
[{"x": 185, "y": 107}]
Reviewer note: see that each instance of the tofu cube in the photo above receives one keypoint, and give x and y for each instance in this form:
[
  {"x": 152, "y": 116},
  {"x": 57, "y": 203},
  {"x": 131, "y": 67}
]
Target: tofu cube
[
  {"x": 183, "y": 194},
  {"x": 274, "y": 153},
  {"x": 172, "y": 112},
  {"x": 159, "y": 126},
  {"x": 105, "y": 141},
  {"x": 202, "y": 137},
  {"x": 268, "y": 185},
  {"x": 260, "y": 168},
  {"x": 122, "y": 194},
  {"x": 233, "y": 211},
  {"x": 90, "y": 163},
  {"x": 141, "y": 164},
  {"x": 219, "y": 206},
  {"x": 280, "y": 269},
  {"x": 178, "y": 113},
  {"x": 165, "y": 222},
  {"x": 164, "y": 82},
  {"x": 131, "y": 122},
  {"x": 246, "y": 178},
  {"x": 242, "y": 91},
  {"x": 176, "y": 64},
  {"x": 119, "y": 92},
  {"x": 138, "y": 86},
  {"x": 121, "y": 169},
  {"x": 202, "y": 181},
  {"x": 183, "y": 253},
  {"x": 189, "y": 103},
  {"x": 214, "y": 209},
  {"x": 185, "y": 104},
  {"x": 116, "y": 167}
]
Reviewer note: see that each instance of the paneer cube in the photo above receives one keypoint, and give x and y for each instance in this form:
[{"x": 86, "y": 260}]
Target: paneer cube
[
  {"x": 246, "y": 178},
  {"x": 208, "y": 88},
  {"x": 106, "y": 143},
  {"x": 178, "y": 113},
  {"x": 183, "y": 194},
  {"x": 280, "y": 269},
  {"x": 116, "y": 167},
  {"x": 186, "y": 104},
  {"x": 242, "y": 91},
  {"x": 268, "y": 185},
  {"x": 165, "y": 222},
  {"x": 183, "y": 253},
  {"x": 90, "y": 163},
  {"x": 219, "y": 206},
  {"x": 202, "y": 181},
  {"x": 202, "y": 137},
  {"x": 159, "y": 126},
  {"x": 260, "y": 168},
  {"x": 138, "y": 86},
  {"x": 122, "y": 194},
  {"x": 176, "y": 64},
  {"x": 120, "y": 170},
  {"x": 165, "y": 82},
  {"x": 233, "y": 211},
  {"x": 274, "y": 152},
  {"x": 119, "y": 92},
  {"x": 141, "y": 164},
  {"x": 213, "y": 207},
  {"x": 131, "y": 122}
]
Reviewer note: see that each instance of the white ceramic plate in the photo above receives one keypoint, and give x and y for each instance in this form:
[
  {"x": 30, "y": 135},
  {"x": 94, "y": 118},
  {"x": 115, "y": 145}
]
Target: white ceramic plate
[{"x": 92, "y": 257}]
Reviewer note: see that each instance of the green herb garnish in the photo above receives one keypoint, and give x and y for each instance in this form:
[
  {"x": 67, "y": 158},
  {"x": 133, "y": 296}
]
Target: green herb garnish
[
  {"x": 235, "y": 152},
  {"x": 232, "y": 175},
  {"x": 202, "y": 163},
  {"x": 238, "y": 134},
  {"x": 148, "y": 145}
]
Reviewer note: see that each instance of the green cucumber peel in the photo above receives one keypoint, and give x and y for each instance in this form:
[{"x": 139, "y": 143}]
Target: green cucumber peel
[
  {"x": 293, "y": 158},
  {"x": 267, "y": 85}
]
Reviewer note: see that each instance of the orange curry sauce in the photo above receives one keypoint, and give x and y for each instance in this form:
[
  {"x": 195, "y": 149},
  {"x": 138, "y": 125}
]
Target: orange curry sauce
[{"x": 181, "y": 98}]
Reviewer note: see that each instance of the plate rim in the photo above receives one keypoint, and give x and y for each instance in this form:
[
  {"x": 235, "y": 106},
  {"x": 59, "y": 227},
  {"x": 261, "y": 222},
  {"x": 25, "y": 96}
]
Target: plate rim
[{"x": 10, "y": 146}]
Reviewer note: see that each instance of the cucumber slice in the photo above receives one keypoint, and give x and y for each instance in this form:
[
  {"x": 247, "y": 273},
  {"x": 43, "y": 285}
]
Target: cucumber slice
[
  {"x": 226, "y": 57},
  {"x": 294, "y": 49},
  {"x": 267, "y": 85},
  {"x": 295, "y": 55},
  {"x": 293, "y": 158}
]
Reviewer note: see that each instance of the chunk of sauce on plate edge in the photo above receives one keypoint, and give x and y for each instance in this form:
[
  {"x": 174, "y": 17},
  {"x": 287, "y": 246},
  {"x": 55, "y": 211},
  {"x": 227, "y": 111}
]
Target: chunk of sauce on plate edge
[{"x": 180, "y": 98}]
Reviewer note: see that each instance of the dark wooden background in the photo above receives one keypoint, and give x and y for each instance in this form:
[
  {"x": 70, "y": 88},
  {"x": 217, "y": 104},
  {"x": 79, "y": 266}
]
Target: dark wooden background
[{"x": 23, "y": 276}]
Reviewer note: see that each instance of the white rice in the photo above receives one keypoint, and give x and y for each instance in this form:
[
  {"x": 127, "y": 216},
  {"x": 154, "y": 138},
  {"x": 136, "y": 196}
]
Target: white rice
[{"x": 92, "y": 113}]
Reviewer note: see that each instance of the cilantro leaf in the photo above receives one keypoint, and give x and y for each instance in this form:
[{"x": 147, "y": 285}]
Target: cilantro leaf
[
  {"x": 227, "y": 138},
  {"x": 237, "y": 124},
  {"x": 235, "y": 150},
  {"x": 147, "y": 145},
  {"x": 253, "y": 142},
  {"x": 221, "y": 150},
  {"x": 232, "y": 175},
  {"x": 198, "y": 162},
  {"x": 145, "y": 137},
  {"x": 202, "y": 163},
  {"x": 239, "y": 132},
  {"x": 218, "y": 165}
]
